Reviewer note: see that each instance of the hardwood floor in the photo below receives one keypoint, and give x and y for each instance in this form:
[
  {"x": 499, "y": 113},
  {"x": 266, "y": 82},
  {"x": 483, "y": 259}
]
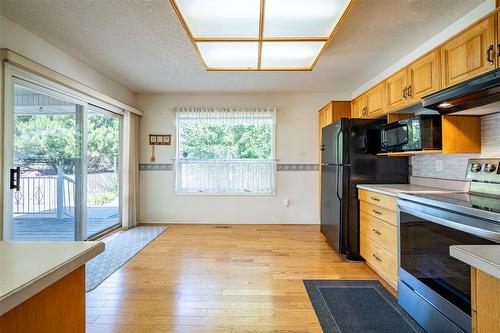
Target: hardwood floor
[{"x": 208, "y": 278}]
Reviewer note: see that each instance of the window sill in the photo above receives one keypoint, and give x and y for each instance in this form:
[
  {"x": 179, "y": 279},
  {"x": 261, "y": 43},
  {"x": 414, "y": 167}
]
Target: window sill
[{"x": 225, "y": 194}]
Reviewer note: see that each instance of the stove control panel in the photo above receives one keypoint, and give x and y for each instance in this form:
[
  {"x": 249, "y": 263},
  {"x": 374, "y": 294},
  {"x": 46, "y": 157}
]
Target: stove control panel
[{"x": 484, "y": 175}]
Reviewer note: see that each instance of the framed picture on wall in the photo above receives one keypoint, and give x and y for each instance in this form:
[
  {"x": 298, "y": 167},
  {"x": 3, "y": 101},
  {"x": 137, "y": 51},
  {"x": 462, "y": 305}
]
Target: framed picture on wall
[{"x": 159, "y": 139}]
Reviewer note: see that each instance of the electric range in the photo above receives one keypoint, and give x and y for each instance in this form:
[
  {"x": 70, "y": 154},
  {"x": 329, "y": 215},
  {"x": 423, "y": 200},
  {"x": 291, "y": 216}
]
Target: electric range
[{"x": 433, "y": 287}]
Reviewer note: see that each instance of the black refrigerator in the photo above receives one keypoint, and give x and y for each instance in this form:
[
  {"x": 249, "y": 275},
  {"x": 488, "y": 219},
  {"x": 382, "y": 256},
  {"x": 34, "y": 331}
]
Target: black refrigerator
[{"x": 349, "y": 158}]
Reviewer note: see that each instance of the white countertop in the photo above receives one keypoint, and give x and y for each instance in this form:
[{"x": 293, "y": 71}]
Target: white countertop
[
  {"x": 26, "y": 268},
  {"x": 394, "y": 189},
  {"x": 483, "y": 257}
]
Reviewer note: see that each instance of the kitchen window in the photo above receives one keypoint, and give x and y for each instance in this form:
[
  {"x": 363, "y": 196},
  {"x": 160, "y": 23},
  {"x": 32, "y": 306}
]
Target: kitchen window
[{"x": 225, "y": 150}]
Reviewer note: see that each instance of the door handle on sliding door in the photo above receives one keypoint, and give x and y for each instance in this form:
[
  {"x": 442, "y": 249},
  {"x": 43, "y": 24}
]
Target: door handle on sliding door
[{"x": 15, "y": 181}]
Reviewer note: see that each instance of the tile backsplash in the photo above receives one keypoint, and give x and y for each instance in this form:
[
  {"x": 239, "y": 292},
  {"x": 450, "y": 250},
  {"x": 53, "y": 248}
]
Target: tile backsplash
[{"x": 453, "y": 166}]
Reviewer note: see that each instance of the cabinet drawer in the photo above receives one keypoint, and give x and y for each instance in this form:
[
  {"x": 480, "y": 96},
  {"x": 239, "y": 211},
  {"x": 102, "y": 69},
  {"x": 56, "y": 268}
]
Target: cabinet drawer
[
  {"x": 378, "y": 199},
  {"x": 382, "y": 233},
  {"x": 384, "y": 214},
  {"x": 380, "y": 260}
]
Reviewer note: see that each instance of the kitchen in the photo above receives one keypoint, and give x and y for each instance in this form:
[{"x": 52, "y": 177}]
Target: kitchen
[
  {"x": 410, "y": 182},
  {"x": 271, "y": 166}
]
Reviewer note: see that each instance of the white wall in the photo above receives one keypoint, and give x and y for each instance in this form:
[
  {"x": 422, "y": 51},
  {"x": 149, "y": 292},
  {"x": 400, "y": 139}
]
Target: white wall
[
  {"x": 296, "y": 143},
  {"x": 27, "y": 44}
]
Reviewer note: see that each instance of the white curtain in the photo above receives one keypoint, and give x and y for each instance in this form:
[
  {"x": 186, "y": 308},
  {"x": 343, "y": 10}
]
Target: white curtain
[
  {"x": 130, "y": 178},
  {"x": 226, "y": 115},
  {"x": 225, "y": 175}
]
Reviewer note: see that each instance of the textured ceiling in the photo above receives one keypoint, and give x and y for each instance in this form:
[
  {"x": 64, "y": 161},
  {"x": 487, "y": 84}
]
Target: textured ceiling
[{"x": 142, "y": 44}]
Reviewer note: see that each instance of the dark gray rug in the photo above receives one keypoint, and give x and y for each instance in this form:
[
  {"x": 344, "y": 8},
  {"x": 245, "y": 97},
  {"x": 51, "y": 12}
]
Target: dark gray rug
[
  {"x": 119, "y": 248},
  {"x": 358, "y": 307}
]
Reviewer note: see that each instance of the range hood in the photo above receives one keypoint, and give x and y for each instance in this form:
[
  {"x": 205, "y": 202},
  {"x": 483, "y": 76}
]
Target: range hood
[{"x": 478, "y": 96}]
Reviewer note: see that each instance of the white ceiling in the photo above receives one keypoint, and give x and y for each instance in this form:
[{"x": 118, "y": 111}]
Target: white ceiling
[{"x": 142, "y": 44}]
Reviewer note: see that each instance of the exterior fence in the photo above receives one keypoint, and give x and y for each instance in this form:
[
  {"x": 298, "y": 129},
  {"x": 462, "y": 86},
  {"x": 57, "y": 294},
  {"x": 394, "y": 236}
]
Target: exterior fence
[{"x": 55, "y": 195}]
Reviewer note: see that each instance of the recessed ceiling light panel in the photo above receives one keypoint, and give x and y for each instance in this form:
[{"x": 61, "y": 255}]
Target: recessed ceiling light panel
[
  {"x": 229, "y": 55},
  {"x": 299, "y": 55},
  {"x": 261, "y": 34},
  {"x": 302, "y": 18},
  {"x": 221, "y": 18}
]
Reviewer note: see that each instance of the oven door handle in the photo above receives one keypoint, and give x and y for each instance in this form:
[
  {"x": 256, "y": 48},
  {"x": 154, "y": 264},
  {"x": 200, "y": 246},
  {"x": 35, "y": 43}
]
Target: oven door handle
[{"x": 480, "y": 229}]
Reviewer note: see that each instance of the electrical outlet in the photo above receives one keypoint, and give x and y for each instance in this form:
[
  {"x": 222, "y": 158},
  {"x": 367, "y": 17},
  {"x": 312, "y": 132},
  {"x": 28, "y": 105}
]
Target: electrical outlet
[
  {"x": 439, "y": 165},
  {"x": 286, "y": 203}
]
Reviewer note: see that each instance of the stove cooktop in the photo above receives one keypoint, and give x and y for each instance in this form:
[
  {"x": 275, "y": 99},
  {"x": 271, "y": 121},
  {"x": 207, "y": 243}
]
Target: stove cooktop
[{"x": 465, "y": 200}]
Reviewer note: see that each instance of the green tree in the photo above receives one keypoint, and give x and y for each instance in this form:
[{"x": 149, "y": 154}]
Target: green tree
[
  {"x": 225, "y": 141},
  {"x": 55, "y": 140}
]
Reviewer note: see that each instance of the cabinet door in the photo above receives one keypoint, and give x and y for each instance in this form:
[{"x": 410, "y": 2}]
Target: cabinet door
[
  {"x": 359, "y": 107},
  {"x": 325, "y": 116},
  {"x": 423, "y": 77},
  {"x": 376, "y": 101},
  {"x": 469, "y": 54},
  {"x": 396, "y": 93}
]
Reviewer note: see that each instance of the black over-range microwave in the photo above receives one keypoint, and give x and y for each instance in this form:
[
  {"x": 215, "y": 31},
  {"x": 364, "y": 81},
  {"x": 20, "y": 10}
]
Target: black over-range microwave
[{"x": 422, "y": 132}]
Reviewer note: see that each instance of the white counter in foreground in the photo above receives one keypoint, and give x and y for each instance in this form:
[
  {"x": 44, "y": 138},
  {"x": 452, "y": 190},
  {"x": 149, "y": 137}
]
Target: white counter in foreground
[
  {"x": 27, "y": 268},
  {"x": 483, "y": 257}
]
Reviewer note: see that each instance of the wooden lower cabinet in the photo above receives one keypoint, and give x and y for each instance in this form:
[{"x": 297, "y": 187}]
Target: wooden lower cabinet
[
  {"x": 485, "y": 293},
  {"x": 377, "y": 199},
  {"x": 382, "y": 262},
  {"x": 59, "y": 308},
  {"x": 378, "y": 234}
]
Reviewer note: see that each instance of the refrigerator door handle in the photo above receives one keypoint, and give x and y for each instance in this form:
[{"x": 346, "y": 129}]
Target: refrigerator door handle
[
  {"x": 340, "y": 176},
  {"x": 338, "y": 151}
]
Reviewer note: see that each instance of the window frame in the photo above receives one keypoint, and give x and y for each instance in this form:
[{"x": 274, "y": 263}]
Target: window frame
[{"x": 237, "y": 194}]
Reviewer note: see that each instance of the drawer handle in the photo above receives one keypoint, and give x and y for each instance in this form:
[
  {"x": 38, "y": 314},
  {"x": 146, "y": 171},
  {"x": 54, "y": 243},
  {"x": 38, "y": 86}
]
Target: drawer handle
[
  {"x": 376, "y": 231},
  {"x": 376, "y": 212},
  {"x": 377, "y": 258},
  {"x": 375, "y": 198}
]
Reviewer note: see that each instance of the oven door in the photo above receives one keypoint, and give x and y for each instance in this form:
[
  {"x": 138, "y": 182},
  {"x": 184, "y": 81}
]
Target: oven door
[{"x": 426, "y": 267}]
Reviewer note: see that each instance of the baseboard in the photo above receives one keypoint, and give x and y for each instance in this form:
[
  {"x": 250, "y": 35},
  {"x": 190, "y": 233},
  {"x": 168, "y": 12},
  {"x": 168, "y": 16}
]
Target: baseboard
[{"x": 167, "y": 221}]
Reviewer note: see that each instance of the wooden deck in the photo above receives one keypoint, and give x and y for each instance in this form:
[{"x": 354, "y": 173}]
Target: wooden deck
[{"x": 45, "y": 227}]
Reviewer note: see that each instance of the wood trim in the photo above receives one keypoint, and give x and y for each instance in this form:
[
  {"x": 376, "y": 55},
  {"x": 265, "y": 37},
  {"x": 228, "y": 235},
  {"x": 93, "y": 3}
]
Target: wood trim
[
  {"x": 14, "y": 58},
  {"x": 261, "y": 32},
  {"x": 58, "y": 308},
  {"x": 334, "y": 32},
  {"x": 260, "y": 40}
]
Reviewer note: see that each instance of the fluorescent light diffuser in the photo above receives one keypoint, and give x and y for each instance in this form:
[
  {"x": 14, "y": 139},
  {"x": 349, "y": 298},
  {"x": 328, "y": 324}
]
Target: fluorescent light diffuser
[
  {"x": 302, "y": 18},
  {"x": 260, "y": 35},
  {"x": 221, "y": 18},
  {"x": 289, "y": 54},
  {"x": 229, "y": 55}
]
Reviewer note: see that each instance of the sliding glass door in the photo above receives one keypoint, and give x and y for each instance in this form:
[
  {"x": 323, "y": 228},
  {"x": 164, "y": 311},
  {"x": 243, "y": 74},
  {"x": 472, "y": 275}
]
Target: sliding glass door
[
  {"x": 62, "y": 162},
  {"x": 103, "y": 179},
  {"x": 47, "y": 166}
]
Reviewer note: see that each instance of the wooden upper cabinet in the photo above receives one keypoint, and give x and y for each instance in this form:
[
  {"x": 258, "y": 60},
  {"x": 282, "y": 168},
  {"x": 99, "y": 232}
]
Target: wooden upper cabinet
[
  {"x": 498, "y": 39},
  {"x": 325, "y": 116},
  {"x": 469, "y": 54},
  {"x": 376, "y": 101},
  {"x": 396, "y": 90},
  {"x": 333, "y": 111},
  {"x": 359, "y": 107},
  {"x": 423, "y": 77}
]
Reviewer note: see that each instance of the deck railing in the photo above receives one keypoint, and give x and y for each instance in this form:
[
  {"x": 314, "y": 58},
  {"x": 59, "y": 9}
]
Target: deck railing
[{"x": 51, "y": 195}]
